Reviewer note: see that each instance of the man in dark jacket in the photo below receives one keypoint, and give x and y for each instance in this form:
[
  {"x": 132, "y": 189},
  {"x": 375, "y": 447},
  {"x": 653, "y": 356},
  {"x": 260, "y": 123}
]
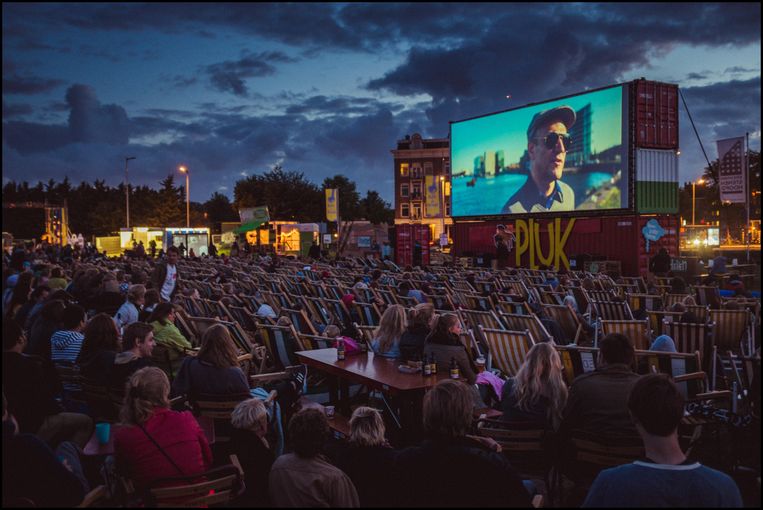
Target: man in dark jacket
[
  {"x": 166, "y": 276},
  {"x": 660, "y": 263},
  {"x": 460, "y": 471}
]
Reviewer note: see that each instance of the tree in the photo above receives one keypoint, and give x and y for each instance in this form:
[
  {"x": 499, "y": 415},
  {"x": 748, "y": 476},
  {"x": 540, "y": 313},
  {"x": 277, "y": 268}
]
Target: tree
[
  {"x": 169, "y": 208},
  {"x": 288, "y": 195},
  {"x": 376, "y": 210},
  {"x": 219, "y": 209}
]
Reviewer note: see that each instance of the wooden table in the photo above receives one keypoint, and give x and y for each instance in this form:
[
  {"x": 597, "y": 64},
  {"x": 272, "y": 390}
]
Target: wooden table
[{"x": 377, "y": 373}]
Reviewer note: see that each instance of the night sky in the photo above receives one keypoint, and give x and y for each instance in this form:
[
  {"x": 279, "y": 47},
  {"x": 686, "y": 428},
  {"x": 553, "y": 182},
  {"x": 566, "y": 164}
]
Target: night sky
[{"x": 232, "y": 89}]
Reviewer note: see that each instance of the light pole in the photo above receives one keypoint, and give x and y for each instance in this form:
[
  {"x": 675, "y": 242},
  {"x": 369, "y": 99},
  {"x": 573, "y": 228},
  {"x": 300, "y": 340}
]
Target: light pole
[
  {"x": 184, "y": 170},
  {"x": 693, "y": 197},
  {"x": 442, "y": 203},
  {"x": 127, "y": 190}
]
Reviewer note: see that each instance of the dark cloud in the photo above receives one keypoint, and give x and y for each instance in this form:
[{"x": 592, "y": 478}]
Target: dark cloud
[
  {"x": 15, "y": 110},
  {"x": 340, "y": 105},
  {"x": 740, "y": 69},
  {"x": 28, "y": 84},
  {"x": 698, "y": 76},
  {"x": 229, "y": 76},
  {"x": 91, "y": 121},
  {"x": 29, "y": 137}
]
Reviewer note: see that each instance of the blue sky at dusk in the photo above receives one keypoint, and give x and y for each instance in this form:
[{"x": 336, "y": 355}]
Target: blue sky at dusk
[{"x": 232, "y": 89}]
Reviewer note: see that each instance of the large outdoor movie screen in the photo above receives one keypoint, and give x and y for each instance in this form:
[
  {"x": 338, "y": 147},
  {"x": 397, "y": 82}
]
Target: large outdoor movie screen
[{"x": 565, "y": 155}]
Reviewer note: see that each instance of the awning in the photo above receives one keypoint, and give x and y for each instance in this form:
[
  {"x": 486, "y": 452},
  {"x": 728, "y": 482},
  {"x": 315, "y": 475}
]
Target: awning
[{"x": 246, "y": 227}]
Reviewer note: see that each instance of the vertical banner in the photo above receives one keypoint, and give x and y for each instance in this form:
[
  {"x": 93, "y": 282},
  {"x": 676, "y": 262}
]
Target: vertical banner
[
  {"x": 332, "y": 204},
  {"x": 732, "y": 173},
  {"x": 432, "y": 195}
]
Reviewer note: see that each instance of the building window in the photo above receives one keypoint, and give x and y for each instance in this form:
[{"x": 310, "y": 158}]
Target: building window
[
  {"x": 416, "y": 191},
  {"x": 416, "y": 211},
  {"x": 447, "y": 207},
  {"x": 428, "y": 168},
  {"x": 404, "y": 190},
  {"x": 405, "y": 210},
  {"x": 416, "y": 171},
  {"x": 403, "y": 169}
]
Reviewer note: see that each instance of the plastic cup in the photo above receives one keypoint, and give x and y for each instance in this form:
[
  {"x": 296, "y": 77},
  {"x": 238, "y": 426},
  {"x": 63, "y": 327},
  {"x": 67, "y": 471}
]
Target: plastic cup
[
  {"x": 329, "y": 411},
  {"x": 102, "y": 432},
  {"x": 480, "y": 361}
]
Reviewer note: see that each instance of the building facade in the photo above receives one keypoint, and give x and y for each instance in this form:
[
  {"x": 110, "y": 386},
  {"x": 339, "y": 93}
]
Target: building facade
[{"x": 422, "y": 183}]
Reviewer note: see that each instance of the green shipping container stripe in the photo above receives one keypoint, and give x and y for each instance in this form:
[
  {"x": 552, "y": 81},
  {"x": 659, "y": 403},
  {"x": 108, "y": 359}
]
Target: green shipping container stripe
[{"x": 657, "y": 197}]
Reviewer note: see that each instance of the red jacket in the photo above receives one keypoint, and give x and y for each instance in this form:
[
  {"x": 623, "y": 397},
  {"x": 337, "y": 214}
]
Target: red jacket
[{"x": 179, "y": 435}]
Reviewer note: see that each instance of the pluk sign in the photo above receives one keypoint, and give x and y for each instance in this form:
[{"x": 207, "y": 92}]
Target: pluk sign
[{"x": 528, "y": 234}]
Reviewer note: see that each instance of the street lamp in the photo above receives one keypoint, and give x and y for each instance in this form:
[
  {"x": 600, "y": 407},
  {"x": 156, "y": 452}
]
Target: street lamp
[
  {"x": 442, "y": 202},
  {"x": 127, "y": 190},
  {"x": 693, "y": 197},
  {"x": 184, "y": 170}
]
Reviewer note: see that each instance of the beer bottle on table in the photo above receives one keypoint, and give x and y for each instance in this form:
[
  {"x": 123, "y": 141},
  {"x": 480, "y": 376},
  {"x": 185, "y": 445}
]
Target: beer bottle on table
[
  {"x": 454, "y": 372},
  {"x": 433, "y": 364},
  {"x": 427, "y": 365},
  {"x": 340, "y": 349}
]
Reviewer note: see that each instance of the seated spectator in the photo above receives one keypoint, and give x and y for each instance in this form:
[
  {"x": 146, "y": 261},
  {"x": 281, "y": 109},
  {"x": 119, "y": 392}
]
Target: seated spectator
[
  {"x": 168, "y": 335},
  {"x": 677, "y": 286},
  {"x": 129, "y": 312},
  {"x": 137, "y": 346},
  {"x": 460, "y": 471},
  {"x": 57, "y": 280},
  {"x": 686, "y": 314},
  {"x": 109, "y": 298},
  {"x": 49, "y": 320},
  {"x": 736, "y": 285},
  {"x": 719, "y": 265},
  {"x": 265, "y": 310},
  {"x": 537, "y": 393},
  {"x": 387, "y": 336},
  {"x": 597, "y": 400},
  {"x": 29, "y": 464},
  {"x": 444, "y": 343},
  {"x": 665, "y": 478},
  {"x": 250, "y": 426},
  {"x": 36, "y": 299},
  {"x": 99, "y": 349},
  {"x": 663, "y": 343},
  {"x": 412, "y": 341},
  {"x": 305, "y": 478},
  {"x": 406, "y": 290},
  {"x": 151, "y": 299},
  {"x": 157, "y": 442},
  {"x": 67, "y": 342},
  {"x": 367, "y": 458},
  {"x": 31, "y": 385}
]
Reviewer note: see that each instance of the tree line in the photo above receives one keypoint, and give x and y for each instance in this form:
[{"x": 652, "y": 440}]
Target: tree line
[{"x": 99, "y": 209}]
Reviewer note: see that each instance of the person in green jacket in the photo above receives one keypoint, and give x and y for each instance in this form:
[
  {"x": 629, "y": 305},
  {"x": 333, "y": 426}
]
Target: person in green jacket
[{"x": 166, "y": 334}]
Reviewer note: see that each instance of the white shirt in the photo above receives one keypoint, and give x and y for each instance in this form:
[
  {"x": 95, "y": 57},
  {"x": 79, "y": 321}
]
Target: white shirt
[{"x": 169, "y": 282}]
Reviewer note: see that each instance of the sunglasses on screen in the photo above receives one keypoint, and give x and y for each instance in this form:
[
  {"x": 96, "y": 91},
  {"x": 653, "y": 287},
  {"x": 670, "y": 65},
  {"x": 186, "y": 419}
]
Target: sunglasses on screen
[{"x": 551, "y": 139}]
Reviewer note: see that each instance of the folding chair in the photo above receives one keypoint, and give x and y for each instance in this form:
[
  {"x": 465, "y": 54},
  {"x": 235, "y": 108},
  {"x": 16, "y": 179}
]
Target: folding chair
[
  {"x": 657, "y": 318},
  {"x": 471, "y": 319},
  {"x": 576, "y": 360},
  {"x": 507, "y": 349},
  {"x": 733, "y": 331},
  {"x": 708, "y": 296},
  {"x": 671, "y": 299},
  {"x": 300, "y": 321},
  {"x": 516, "y": 322},
  {"x": 690, "y": 337},
  {"x": 515, "y": 307},
  {"x": 567, "y": 320},
  {"x": 671, "y": 363},
  {"x": 317, "y": 310},
  {"x": 440, "y": 301},
  {"x": 636, "y": 331},
  {"x": 368, "y": 312},
  {"x": 645, "y": 302},
  {"x": 599, "y": 295},
  {"x": 282, "y": 342}
]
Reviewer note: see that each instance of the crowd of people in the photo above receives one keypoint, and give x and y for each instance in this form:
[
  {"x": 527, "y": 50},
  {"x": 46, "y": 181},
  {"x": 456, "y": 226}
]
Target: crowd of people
[{"x": 114, "y": 322}]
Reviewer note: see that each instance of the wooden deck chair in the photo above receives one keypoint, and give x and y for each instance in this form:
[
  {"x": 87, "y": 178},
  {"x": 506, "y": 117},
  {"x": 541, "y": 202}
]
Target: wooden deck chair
[
  {"x": 636, "y": 331},
  {"x": 698, "y": 390},
  {"x": 645, "y": 302},
  {"x": 340, "y": 313},
  {"x": 367, "y": 334},
  {"x": 244, "y": 317},
  {"x": 317, "y": 310},
  {"x": 406, "y": 301},
  {"x": 368, "y": 312},
  {"x": 271, "y": 300},
  {"x": 567, "y": 320},
  {"x": 282, "y": 342},
  {"x": 515, "y": 307},
  {"x": 612, "y": 310},
  {"x": 440, "y": 301},
  {"x": 552, "y": 298},
  {"x": 708, "y": 296},
  {"x": 733, "y": 331},
  {"x": 300, "y": 321},
  {"x": 518, "y": 288},
  {"x": 218, "y": 408},
  {"x": 471, "y": 319},
  {"x": 671, "y": 363},
  {"x": 582, "y": 300},
  {"x": 742, "y": 371},
  {"x": 190, "y": 306},
  {"x": 690, "y": 337},
  {"x": 311, "y": 342},
  {"x": 621, "y": 289},
  {"x": 516, "y": 322},
  {"x": 637, "y": 281},
  {"x": 671, "y": 299},
  {"x": 186, "y": 329},
  {"x": 507, "y": 349},
  {"x": 702, "y": 312},
  {"x": 576, "y": 360},
  {"x": 599, "y": 295},
  {"x": 389, "y": 298},
  {"x": 657, "y": 319}
]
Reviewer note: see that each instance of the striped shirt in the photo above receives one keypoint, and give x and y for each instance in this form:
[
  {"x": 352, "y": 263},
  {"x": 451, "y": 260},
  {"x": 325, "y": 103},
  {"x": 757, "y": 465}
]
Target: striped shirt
[{"x": 65, "y": 345}]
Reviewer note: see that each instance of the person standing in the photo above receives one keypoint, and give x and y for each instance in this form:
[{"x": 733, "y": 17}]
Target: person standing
[
  {"x": 660, "y": 263},
  {"x": 166, "y": 276},
  {"x": 500, "y": 239}
]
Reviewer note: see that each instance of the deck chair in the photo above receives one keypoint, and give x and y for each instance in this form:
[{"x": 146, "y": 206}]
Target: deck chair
[
  {"x": 300, "y": 321},
  {"x": 742, "y": 372},
  {"x": 368, "y": 312},
  {"x": 698, "y": 390},
  {"x": 516, "y": 322},
  {"x": 471, "y": 319},
  {"x": 582, "y": 300},
  {"x": 339, "y": 312},
  {"x": 612, "y": 310},
  {"x": 671, "y": 299},
  {"x": 708, "y": 296},
  {"x": 567, "y": 320},
  {"x": 507, "y": 350},
  {"x": 690, "y": 337},
  {"x": 518, "y": 288},
  {"x": 244, "y": 317},
  {"x": 646, "y": 302},
  {"x": 387, "y": 296},
  {"x": 552, "y": 297},
  {"x": 576, "y": 360},
  {"x": 733, "y": 331},
  {"x": 515, "y": 307},
  {"x": 311, "y": 342},
  {"x": 671, "y": 363},
  {"x": 317, "y": 310},
  {"x": 440, "y": 301},
  {"x": 599, "y": 295},
  {"x": 657, "y": 318},
  {"x": 282, "y": 342},
  {"x": 636, "y": 331}
]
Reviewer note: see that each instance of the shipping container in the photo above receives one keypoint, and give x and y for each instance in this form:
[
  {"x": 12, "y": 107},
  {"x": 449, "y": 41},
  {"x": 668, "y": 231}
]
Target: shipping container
[
  {"x": 656, "y": 181},
  {"x": 412, "y": 246},
  {"x": 568, "y": 242},
  {"x": 656, "y": 114}
]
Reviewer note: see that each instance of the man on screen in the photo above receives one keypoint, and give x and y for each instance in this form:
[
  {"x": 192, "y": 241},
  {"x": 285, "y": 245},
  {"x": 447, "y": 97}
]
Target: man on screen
[{"x": 547, "y": 145}]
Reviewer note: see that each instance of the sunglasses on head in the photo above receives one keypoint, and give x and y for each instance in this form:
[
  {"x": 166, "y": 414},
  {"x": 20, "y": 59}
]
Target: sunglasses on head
[{"x": 551, "y": 139}]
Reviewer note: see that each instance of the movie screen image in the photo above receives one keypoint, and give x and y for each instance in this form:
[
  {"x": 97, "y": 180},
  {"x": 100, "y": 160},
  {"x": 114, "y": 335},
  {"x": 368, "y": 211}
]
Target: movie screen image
[{"x": 563, "y": 155}]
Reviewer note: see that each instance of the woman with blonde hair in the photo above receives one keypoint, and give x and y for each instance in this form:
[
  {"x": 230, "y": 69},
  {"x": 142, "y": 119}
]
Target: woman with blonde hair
[
  {"x": 420, "y": 320},
  {"x": 387, "y": 336},
  {"x": 445, "y": 345},
  {"x": 367, "y": 458},
  {"x": 156, "y": 442},
  {"x": 537, "y": 393}
]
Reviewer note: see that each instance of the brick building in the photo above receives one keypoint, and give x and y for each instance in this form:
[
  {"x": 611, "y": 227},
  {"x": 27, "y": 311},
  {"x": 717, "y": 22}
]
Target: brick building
[{"x": 422, "y": 183}]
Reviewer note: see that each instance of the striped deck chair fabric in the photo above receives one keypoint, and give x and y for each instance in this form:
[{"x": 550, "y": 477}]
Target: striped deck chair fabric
[
  {"x": 657, "y": 319},
  {"x": 317, "y": 310},
  {"x": 507, "y": 349},
  {"x": 369, "y": 314},
  {"x": 515, "y": 307},
  {"x": 636, "y": 331},
  {"x": 581, "y": 298},
  {"x": 690, "y": 337},
  {"x": 516, "y": 322},
  {"x": 612, "y": 310},
  {"x": 646, "y": 302},
  {"x": 244, "y": 317},
  {"x": 732, "y": 329},
  {"x": 300, "y": 321},
  {"x": 567, "y": 320},
  {"x": 339, "y": 311},
  {"x": 599, "y": 295},
  {"x": 671, "y": 363},
  {"x": 576, "y": 361},
  {"x": 708, "y": 296},
  {"x": 440, "y": 301},
  {"x": 282, "y": 342},
  {"x": 671, "y": 299}
]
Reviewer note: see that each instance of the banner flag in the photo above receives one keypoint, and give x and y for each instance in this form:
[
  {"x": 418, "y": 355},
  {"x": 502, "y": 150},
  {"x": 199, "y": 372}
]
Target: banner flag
[
  {"x": 732, "y": 174},
  {"x": 432, "y": 195},
  {"x": 332, "y": 204}
]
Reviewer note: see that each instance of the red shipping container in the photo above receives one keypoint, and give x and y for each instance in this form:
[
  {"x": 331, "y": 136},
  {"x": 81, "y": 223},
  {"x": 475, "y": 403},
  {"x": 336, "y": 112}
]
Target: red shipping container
[
  {"x": 408, "y": 237},
  {"x": 656, "y": 115}
]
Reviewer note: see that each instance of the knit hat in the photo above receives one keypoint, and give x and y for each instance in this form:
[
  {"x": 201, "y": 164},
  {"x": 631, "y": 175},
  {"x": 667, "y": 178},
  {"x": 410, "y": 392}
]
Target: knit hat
[{"x": 663, "y": 343}]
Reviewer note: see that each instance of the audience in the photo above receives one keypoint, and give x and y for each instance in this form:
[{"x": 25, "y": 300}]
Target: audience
[
  {"x": 49, "y": 320},
  {"x": 665, "y": 478},
  {"x": 67, "y": 342},
  {"x": 99, "y": 349},
  {"x": 166, "y": 334},
  {"x": 444, "y": 343},
  {"x": 412, "y": 341},
  {"x": 137, "y": 347},
  {"x": 129, "y": 312},
  {"x": 250, "y": 426},
  {"x": 387, "y": 336}
]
